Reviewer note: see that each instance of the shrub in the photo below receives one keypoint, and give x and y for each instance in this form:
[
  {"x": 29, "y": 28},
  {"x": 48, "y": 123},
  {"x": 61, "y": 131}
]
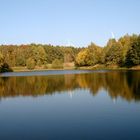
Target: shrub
[
  {"x": 5, "y": 68},
  {"x": 30, "y": 63},
  {"x": 56, "y": 64}
]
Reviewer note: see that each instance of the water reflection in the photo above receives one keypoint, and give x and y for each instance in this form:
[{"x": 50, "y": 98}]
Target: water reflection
[{"x": 117, "y": 84}]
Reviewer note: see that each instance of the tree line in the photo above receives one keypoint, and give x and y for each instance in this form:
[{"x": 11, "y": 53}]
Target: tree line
[
  {"x": 36, "y": 55},
  {"x": 124, "y": 52}
]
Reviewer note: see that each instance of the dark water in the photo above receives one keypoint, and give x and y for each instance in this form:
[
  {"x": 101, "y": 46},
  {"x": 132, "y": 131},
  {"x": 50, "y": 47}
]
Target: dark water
[{"x": 74, "y": 106}]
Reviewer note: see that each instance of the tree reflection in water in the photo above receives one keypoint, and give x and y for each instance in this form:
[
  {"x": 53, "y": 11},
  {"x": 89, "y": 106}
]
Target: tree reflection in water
[{"x": 117, "y": 84}]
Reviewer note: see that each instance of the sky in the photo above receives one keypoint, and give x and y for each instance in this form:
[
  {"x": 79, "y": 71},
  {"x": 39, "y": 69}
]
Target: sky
[{"x": 67, "y": 22}]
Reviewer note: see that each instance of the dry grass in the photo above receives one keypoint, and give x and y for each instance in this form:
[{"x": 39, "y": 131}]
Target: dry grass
[
  {"x": 136, "y": 67},
  {"x": 44, "y": 67}
]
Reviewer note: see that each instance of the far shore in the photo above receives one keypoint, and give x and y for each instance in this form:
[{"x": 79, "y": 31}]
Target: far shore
[{"x": 99, "y": 67}]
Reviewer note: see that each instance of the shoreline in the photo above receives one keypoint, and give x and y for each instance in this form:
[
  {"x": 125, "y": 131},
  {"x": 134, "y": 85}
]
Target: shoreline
[
  {"x": 23, "y": 69},
  {"x": 71, "y": 66}
]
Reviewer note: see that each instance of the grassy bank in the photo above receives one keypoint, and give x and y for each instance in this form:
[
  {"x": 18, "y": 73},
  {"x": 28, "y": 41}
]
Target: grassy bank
[
  {"x": 66, "y": 66},
  {"x": 110, "y": 67},
  {"x": 72, "y": 67}
]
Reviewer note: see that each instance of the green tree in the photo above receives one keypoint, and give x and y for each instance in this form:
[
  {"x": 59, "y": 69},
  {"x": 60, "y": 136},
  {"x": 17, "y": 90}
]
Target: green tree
[
  {"x": 133, "y": 54},
  {"x": 96, "y": 53},
  {"x": 113, "y": 53},
  {"x": 9, "y": 54},
  {"x": 4, "y": 67},
  {"x": 53, "y": 52},
  {"x": 30, "y": 63},
  {"x": 39, "y": 55}
]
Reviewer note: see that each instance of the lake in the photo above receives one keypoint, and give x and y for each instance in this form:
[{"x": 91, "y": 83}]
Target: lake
[{"x": 70, "y": 105}]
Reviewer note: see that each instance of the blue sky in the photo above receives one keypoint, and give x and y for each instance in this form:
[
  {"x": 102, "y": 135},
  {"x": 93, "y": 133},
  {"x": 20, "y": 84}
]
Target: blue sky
[{"x": 60, "y": 22}]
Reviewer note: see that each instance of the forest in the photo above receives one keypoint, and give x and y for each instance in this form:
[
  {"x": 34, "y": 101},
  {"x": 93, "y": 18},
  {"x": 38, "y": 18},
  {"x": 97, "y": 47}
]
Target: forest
[{"x": 124, "y": 52}]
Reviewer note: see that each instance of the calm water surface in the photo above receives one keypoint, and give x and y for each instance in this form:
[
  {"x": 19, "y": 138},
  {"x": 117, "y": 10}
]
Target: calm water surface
[{"x": 70, "y": 105}]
